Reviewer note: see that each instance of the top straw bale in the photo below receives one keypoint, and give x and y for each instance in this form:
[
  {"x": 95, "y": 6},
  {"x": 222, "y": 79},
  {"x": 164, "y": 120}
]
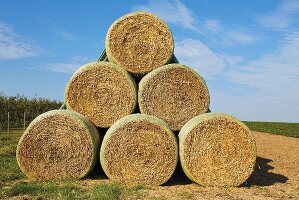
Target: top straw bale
[{"x": 139, "y": 42}]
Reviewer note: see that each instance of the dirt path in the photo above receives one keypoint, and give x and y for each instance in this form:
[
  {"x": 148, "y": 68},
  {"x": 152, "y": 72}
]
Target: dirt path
[{"x": 276, "y": 176}]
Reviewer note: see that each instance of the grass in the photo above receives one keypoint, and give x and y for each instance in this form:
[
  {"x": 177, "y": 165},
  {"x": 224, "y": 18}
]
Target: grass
[
  {"x": 14, "y": 183},
  {"x": 9, "y": 169},
  {"x": 69, "y": 189},
  {"x": 48, "y": 190},
  {"x": 107, "y": 191},
  {"x": 279, "y": 128}
]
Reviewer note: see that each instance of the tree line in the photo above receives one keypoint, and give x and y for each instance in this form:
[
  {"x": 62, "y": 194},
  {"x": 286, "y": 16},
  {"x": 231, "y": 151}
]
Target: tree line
[{"x": 20, "y": 105}]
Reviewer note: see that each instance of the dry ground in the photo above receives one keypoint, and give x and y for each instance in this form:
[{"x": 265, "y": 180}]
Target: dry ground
[{"x": 276, "y": 177}]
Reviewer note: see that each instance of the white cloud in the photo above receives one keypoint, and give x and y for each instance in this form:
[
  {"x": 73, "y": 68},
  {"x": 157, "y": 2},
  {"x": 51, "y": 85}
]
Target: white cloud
[
  {"x": 57, "y": 31},
  {"x": 278, "y": 70},
  {"x": 67, "y": 67},
  {"x": 231, "y": 38},
  {"x": 265, "y": 89},
  {"x": 174, "y": 12},
  {"x": 208, "y": 63},
  {"x": 275, "y": 79},
  {"x": 212, "y": 25},
  {"x": 197, "y": 55},
  {"x": 241, "y": 37},
  {"x": 254, "y": 107},
  {"x": 282, "y": 17},
  {"x": 13, "y": 46},
  {"x": 232, "y": 61},
  {"x": 64, "y": 34}
]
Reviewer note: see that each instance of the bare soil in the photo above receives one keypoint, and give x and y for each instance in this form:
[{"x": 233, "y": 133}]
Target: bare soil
[{"x": 276, "y": 176}]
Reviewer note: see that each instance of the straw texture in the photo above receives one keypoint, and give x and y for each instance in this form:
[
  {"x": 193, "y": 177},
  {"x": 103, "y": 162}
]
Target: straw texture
[
  {"x": 174, "y": 93},
  {"x": 139, "y": 149},
  {"x": 217, "y": 150},
  {"x": 139, "y": 42},
  {"x": 101, "y": 91},
  {"x": 58, "y": 144}
]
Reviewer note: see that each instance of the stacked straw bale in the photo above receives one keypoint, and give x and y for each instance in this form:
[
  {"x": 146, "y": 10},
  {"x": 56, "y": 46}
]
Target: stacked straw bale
[
  {"x": 58, "y": 144},
  {"x": 139, "y": 42},
  {"x": 174, "y": 93},
  {"x": 139, "y": 149},
  {"x": 101, "y": 91},
  {"x": 217, "y": 150}
]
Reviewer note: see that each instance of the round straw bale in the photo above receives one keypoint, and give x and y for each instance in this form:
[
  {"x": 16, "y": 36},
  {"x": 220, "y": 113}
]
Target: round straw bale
[
  {"x": 139, "y": 149},
  {"x": 217, "y": 150},
  {"x": 58, "y": 144},
  {"x": 174, "y": 93},
  {"x": 139, "y": 42},
  {"x": 101, "y": 91}
]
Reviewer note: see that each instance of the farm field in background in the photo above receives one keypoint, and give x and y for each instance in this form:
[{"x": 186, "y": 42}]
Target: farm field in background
[
  {"x": 279, "y": 128},
  {"x": 275, "y": 177}
]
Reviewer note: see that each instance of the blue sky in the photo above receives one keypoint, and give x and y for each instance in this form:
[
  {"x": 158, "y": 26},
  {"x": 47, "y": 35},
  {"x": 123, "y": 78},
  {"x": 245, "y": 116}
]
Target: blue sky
[{"x": 247, "y": 51}]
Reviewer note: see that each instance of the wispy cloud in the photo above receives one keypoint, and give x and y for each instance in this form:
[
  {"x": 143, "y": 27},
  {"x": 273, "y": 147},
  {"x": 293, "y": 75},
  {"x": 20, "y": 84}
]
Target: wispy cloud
[
  {"x": 212, "y": 25},
  {"x": 227, "y": 35},
  {"x": 282, "y": 17},
  {"x": 175, "y": 12},
  {"x": 263, "y": 89},
  {"x": 172, "y": 11},
  {"x": 57, "y": 31},
  {"x": 67, "y": 67},
  {"x": 275, "y": 79},
  {"x": 64, "y": 34},
  {"x": 197, "y": 55},
  {"x": 278, "y": 70},
  {"x": 14, "y": 46},
  {"x": 231, "y": 38}
]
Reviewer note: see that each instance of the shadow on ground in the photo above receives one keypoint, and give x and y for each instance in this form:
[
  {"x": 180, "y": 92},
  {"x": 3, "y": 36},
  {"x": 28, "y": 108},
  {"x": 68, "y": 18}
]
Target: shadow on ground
[{"x": 261, "y": 175}]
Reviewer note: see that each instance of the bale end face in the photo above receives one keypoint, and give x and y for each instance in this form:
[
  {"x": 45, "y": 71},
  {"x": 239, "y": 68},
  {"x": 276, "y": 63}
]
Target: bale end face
[
  {"x": 217, "y": 150},
  {"x": 58, "y": 144},
  {"x": 101, "y": 91},
  {"x": 139, "y": 149},
  {"x": 139, "y": 42},
  {"x": 174, "y": 93}
]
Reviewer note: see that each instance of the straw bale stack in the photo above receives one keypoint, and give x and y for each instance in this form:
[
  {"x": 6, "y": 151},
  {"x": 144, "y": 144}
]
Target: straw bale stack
[{"x": 215, "y": 149}]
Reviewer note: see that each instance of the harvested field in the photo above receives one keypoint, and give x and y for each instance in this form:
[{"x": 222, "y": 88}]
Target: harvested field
[
  {"x": 139, "y": 42},
  {"x": 275, "y": 177}
]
